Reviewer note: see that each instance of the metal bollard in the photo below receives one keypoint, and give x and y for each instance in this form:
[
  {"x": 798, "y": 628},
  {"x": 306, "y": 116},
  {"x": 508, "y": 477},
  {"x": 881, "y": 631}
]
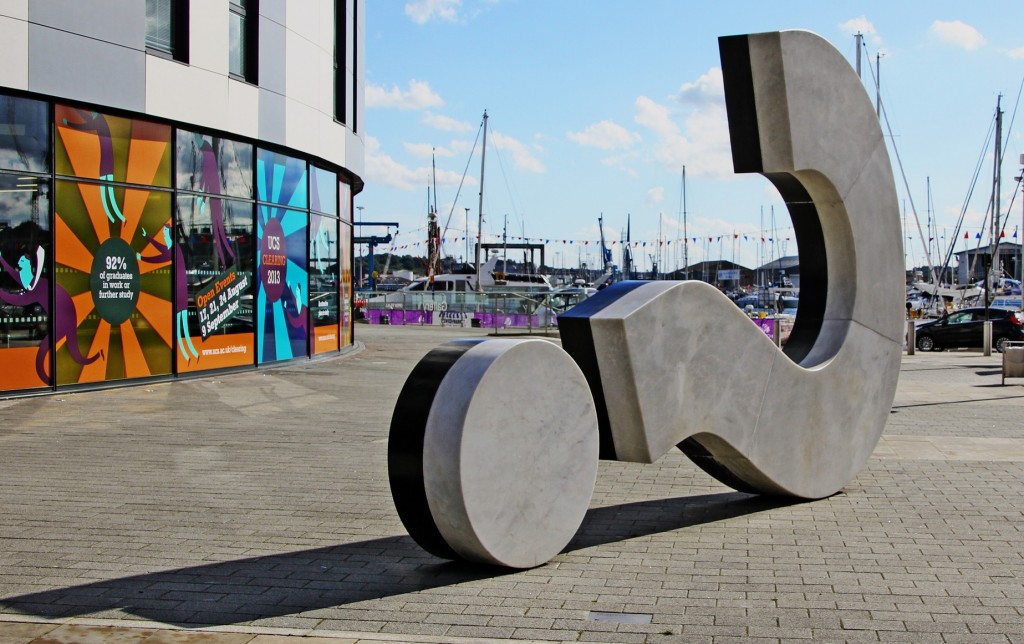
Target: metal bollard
[
  {"x": 986, "y": 338},
  {"x": 911, "y": 337}
]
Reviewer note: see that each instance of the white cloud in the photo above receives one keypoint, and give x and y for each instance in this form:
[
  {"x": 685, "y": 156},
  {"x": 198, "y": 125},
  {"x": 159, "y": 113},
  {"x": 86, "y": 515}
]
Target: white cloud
[
  {"x": 419, "y": 96},
  {"x": 383, "y": 170},
  {"x": 455, "y": 148},
  {"x": 423, "y": 11},
  {"x": 958, "y": 34},
  {"x": 1016, "y": 53},
  {"x": 698, "y": 135},
  {"x": 521, "y": 156},
  {"x": 655, "y": 196},
  {"x": 706, "y": 90},
  {"x": 620, "y": 162},
  {"x": 427, "y": 151},
  {"x": 862, "y": 25},
  {"x": 446, "y": 123},
  {"x": 604, "y": 135}
]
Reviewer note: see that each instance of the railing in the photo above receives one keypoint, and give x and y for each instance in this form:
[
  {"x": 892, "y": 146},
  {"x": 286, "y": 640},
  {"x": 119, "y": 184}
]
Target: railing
[{"x": 532, "y": 311}]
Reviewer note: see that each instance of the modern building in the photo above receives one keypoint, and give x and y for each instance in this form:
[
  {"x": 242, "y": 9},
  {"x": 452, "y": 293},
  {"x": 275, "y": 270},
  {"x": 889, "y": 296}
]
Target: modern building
[
  {"x": 719, "y": 272},
  {"x": 784, "y": 271},
  {"x": 973, "y": 262},
  {"x": 176, "y": 185}
]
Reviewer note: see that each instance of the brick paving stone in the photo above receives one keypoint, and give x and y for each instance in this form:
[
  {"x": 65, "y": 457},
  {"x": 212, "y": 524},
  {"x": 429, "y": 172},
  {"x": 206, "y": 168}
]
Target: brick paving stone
[
  {"x": 284, "y": 639},
  {"x": 260, "y": 500}
]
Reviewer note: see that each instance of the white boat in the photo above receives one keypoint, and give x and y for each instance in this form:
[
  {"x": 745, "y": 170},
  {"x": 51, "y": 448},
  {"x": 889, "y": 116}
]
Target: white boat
[
  {"x": 956, "y": 293},
  {"x": 491, "y": 280}
]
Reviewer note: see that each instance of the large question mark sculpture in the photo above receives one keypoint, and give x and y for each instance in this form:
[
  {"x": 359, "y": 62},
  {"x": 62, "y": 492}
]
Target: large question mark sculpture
[{"x": 494, "y": 443}]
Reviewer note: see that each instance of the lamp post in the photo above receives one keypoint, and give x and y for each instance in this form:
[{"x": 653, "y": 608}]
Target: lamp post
[{"x": 359, "y": 259}]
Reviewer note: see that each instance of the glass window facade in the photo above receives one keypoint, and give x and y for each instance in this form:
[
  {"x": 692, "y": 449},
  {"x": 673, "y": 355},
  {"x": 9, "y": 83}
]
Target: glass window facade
[
  {"x": 324, "y": 271},
  {"x": 214, "y": 309},
  {"x": 282, "y": 300},
  {"x": 26, "y": 251},
  {"x": 167, "y": 28},
  {"x": 113, "y": 288},
  {"x": 214, "y": 317},
  {"x": 25, "y": 259},
  {"x": 236, "y": 40},
  {"x": 24, "y": 135},
  {"x": 133, "y": 249},
  {"x": 345, "y": 261},
  {"x": 160, "y": 25},
  {"x": 243, "y": 24},
  {"x": 213, "y": 165}
]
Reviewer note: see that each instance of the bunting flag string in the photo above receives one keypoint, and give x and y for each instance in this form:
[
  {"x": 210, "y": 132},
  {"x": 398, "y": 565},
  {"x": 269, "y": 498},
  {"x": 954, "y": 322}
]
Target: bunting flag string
[{"x": 642, "y": 243}]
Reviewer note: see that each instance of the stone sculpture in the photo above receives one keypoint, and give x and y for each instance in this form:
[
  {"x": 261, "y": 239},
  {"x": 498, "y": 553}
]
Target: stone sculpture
[{"x": 481, "y": 474}]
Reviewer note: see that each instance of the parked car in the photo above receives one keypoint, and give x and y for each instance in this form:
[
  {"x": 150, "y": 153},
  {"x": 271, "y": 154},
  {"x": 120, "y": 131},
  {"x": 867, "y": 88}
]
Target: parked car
[{"x": 965, "y": 328}]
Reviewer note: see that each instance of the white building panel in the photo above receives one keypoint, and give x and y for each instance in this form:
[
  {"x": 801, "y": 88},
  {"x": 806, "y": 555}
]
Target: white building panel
[
  {"x": 302, "y": 79},
  {"x": 14, "y": 9},
  {"x": 208, "y": 35},
  {"x": 14, "y": 36},
  {"x": 244, "y": 109},
  {"x": 204, "y": 102}
]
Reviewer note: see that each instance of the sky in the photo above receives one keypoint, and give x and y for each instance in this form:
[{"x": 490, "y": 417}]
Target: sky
[{"x": 596, "y": 107}]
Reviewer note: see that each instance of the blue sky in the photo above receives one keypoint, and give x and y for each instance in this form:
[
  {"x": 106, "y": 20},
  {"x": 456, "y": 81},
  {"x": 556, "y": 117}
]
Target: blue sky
[{"x": 595, "y": 107}]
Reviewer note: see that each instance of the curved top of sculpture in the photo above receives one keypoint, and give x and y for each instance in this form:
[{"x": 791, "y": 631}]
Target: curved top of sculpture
[
  {"x": 815, "y": 135},
  {"x": 676, "y": 362}
]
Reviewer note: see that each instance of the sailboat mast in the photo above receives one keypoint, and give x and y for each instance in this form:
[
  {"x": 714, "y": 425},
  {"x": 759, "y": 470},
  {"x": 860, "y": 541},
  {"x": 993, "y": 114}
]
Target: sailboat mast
[
  {"x": 480, "y": 211},
  {"x": 686, "y": 243},
  {"x": 996, "y": 182}
]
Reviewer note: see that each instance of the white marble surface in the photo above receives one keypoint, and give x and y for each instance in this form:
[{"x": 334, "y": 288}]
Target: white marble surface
[
  {"x": 510, "y": 452},
  {"x": 678, "y": 359}
]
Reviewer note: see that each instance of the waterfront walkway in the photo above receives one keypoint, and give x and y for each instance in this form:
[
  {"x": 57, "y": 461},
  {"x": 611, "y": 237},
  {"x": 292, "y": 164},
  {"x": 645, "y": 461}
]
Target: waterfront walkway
[{"x": 254, "y": 508}]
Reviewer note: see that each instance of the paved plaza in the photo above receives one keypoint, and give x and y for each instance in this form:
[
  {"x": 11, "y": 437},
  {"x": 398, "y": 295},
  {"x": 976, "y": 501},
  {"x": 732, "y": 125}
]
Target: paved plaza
[{"x": 254, "y": 508}]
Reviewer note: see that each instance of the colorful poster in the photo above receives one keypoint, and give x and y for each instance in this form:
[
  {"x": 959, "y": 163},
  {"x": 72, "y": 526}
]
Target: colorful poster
[
  {"x": 218, "y": 282},
  {"x": 25, "y": 276},
  {"x": 212, "y": 165},
  {"x": 345, "y": 261},
  {"x": 282, "y": 297},
  {"x": 112, "y": 305},
  {"x": 282, "y": 300},
  {"x": 324, "y": 283},
  {"x": 345, "y": 305},
  {"x": 111, "y": 149}
]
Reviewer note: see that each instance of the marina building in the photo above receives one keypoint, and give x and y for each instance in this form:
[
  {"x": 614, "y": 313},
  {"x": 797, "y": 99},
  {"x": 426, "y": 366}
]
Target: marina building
[{"x": 176, "y": 185}]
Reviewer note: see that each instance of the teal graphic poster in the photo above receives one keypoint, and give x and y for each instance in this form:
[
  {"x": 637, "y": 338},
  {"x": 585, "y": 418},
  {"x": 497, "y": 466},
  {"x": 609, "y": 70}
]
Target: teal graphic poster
[{"x": 282, "y": 300}]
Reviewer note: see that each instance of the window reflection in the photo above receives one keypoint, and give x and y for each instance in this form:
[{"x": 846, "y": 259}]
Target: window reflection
[
  {"x": 323, "y": 282},
  {"x": 206, "y": 263},
  {"x": 25, "y": 253},
  {"x": 213, "y": 165},
  {"x": 322, "y": 195},
  {"x": 345, "y": 262},
  {"x": 24, "y": 135},
  {"x": 159, "y": 25}
]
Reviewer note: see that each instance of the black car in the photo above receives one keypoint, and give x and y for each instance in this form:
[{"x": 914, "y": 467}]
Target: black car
[{"x": 965, "y": 328}]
